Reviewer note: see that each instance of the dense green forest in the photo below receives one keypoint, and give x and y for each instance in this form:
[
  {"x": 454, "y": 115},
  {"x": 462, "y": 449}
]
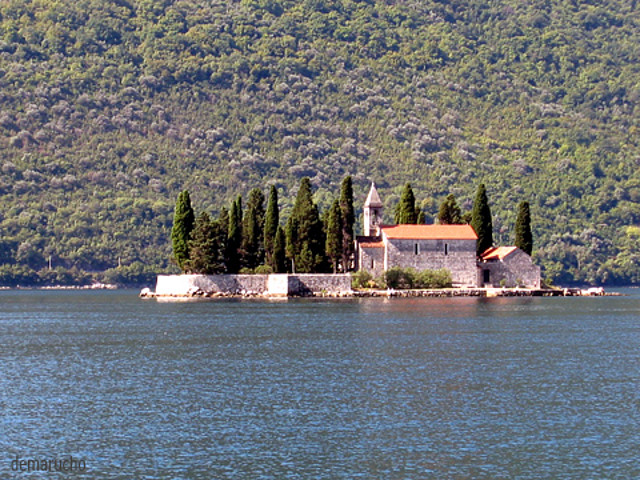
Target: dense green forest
[{"x": 109, "y": 108}]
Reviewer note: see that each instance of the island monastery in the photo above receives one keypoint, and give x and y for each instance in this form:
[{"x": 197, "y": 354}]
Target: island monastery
[{"x": 452, "y": 247}]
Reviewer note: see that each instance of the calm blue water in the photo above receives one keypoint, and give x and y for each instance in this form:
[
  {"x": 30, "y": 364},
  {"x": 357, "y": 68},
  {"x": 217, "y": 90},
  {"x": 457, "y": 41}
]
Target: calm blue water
[{"x": 300, "y": 389}]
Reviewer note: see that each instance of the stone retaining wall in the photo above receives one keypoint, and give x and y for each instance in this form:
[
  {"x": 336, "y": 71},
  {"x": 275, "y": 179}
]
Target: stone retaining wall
[
  {"x": 311, "y": 283},
  {"x": 178, "y": 285},
  {"x": 248, "y": 285}
]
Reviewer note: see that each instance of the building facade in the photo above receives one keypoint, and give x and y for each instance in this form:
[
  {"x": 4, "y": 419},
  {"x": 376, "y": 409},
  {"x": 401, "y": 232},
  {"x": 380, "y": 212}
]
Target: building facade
[
  {"x": 423, "y": 247},
  {"x": 508, "y": 267}
]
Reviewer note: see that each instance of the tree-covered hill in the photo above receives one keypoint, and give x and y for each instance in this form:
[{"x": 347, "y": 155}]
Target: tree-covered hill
[{"x": 109, "y": 108}]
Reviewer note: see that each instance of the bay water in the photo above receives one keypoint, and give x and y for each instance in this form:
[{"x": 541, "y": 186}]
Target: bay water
[{"x": 458, "y": 388}]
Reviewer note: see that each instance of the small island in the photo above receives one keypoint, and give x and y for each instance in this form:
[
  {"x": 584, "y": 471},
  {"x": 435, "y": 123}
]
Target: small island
[{"x": 252, "y": 255}]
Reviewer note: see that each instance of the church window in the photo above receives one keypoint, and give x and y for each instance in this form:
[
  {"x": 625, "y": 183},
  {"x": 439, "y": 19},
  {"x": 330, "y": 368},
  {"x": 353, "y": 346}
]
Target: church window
[
  {"x": 446, "y": 249},
  {"x": 416, "y": 249}
]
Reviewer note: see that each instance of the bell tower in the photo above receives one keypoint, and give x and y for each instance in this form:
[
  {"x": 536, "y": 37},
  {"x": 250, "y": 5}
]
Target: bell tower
[{"x": 372, "y": 212}]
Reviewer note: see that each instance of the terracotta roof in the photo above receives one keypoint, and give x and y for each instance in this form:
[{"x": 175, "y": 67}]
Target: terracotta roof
[
  {"x": 497, "y": 253},
  {"x": 430, "y": 232},
  {"x": 371, "y": 244},
  {"x": 373, "y": 199}
]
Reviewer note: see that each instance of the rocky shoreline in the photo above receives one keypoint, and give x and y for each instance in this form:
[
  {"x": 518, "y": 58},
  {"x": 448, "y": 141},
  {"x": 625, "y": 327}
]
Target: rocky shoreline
[
  {"x": 391, "y": 293},
  {"x": 93, "y": 286}
]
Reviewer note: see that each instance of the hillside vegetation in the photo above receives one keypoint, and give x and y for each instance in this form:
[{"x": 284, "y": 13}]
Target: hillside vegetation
[{"x": 109, "y": 108}]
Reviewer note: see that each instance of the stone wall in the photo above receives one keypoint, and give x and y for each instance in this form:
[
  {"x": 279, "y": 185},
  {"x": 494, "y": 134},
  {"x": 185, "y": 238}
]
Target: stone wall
[
  {"x": 457, "y": 256},
  {"x": 278, "y": 285},
  {"x": 517, "y": 269},
  {"x": 268, "y": 285},
  {"x": 371, "y": 260},
  {"x": 312, "y": 283},
  {"x": 178, "y": 285}
]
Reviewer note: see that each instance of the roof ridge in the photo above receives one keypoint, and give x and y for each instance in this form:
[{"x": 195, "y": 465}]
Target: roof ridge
[
  {"x": 430, "y": 232},
  {"x": 499, "y": 252}
]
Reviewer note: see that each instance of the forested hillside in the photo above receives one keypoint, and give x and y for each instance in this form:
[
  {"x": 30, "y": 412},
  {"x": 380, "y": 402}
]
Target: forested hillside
[{"x": 109, "y": 108}]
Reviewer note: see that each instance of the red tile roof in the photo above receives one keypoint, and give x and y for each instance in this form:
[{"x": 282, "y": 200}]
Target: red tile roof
[
  {"x": 371, "y": 244},
  {"x": 430, "y": 232},
  {"x": 497, "y": 253}
]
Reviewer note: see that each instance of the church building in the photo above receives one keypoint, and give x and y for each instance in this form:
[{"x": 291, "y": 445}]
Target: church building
[{"x": 433, "y": 247}]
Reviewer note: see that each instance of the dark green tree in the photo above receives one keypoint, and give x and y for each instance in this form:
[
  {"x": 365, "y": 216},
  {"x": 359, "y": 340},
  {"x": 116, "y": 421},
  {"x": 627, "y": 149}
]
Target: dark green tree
[
  {"x": 183, "y": 220},
  {"x": 347, "y": 221},
  {"x": 223, "y": 225},
  {"x": 305, "y": 259},
  {"x": 206, "y": 247},
  {"x": 449, "y": 213},
  {"x": 233, "y": 252},
  {"x": 271, "y": 223},
  {"x": 279, "y": 258},
  {"x": 406, "y": 211},
  {"x": 524, "y": 237},
  {"x": 305, "y": 237},
  {"x": 481, "y": 220},
  {"x": 253, "y": 230},
  {"x": 333, "y": 244},
  {"x": 223, "y": 221}
]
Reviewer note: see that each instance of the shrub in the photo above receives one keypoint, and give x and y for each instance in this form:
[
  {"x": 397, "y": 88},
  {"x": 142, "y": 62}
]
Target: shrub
[
  {"x": 397, "y": 277},
  {"x": 433, "y": 279},
  {"x": 379, "y": 282},
  {"x": 361, "y": 279},
  {"x": 443, "y": 278},
  {"x": 400, "y": 278},
  {"x": 264, "y": 269}
]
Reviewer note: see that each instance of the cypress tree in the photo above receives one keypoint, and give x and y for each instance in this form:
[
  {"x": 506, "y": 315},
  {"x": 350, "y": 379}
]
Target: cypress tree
[
  {"x": 406, "y": 212},
  {"x": 305, "y": 259},
  {"x": 279, "y": 259},
  {"x": 291, "y": 241},
  {"x": 234, "y": 237},
  {"x": 223, "y": 224},
  {"x": 333, "y": 245},
  {"x": 223, "y": 228},
  {"x": 183, "y": 220},
  {"x": 347, "y": 220},
  {"x": 238, "y": 206},
  {"x": 253, "y": 230},
  {"x": 223, "y": 220},
  {"x": 449, "y": 213},
  {"x": 271, "y": 223},
  {"x": 524, "y": 237},
  {"x": 206, "y": 246},
  {"x": 304, "y": 232},
  {"x": 481, "y": 220}
]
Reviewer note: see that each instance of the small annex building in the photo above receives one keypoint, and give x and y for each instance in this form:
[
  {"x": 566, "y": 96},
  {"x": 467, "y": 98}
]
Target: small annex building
[
  {"x": 433, "y": 247},
  {"x": 508, "y": 267}
]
